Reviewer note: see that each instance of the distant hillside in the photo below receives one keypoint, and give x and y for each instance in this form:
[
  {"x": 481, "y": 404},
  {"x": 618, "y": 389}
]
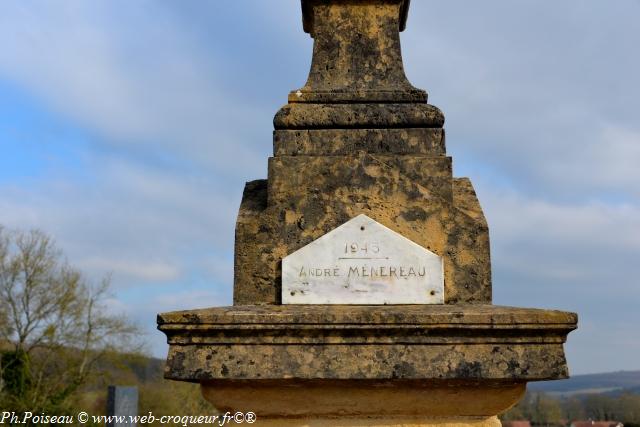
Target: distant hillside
[{"x": 593, "y": 383}]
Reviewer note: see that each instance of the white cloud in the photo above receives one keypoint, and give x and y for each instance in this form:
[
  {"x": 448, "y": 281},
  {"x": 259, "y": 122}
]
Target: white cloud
[
  {"x": 542, "y": 96},
  {"x": 610, "y": 227},
  {"x": 138, "y": 76},
  {"x": 138, "y": 270},
  {"x": 77, "y": 57},
  {"x": 181, "y": 299},
  {"x": 572, "y": 256},
  {"x": 615, "y": 159},
  {"x": 139, "y": 223}
]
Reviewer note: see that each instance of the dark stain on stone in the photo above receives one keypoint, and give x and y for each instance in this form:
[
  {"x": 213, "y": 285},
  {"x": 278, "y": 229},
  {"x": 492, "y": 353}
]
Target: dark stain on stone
[
  {"x": 403, "y": 370},
  {"x": 415, "y": 214}
]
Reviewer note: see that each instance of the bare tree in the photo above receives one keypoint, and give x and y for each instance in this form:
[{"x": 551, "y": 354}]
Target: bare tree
[{"x": 53, "y": 324}]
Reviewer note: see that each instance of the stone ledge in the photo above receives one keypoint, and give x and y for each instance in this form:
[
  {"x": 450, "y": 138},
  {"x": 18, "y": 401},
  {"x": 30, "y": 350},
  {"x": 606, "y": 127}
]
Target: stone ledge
[
  {"x": 307, "y": 18},
  {"x": 367, "y": 342},
  {"x": 467, "y": 315},
  {"x": 358, "y": 116},
  {"x": 492, "y": 362},
  {"x": 358, "y": 96},
  {"x": 335, "y": 142}
]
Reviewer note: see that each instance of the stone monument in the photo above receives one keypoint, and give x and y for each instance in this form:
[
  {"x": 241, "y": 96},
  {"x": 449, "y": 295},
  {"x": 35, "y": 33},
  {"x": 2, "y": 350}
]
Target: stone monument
[{"x": 362, "y": 288}]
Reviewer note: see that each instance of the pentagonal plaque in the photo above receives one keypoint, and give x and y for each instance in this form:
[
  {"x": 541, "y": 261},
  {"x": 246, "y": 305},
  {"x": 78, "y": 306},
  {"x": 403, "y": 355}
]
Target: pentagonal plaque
[{"x": 362, "y": 262}]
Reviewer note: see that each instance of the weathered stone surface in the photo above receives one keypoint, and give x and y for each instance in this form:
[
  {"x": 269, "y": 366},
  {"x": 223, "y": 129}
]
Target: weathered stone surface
[
  {"x": 307, "y": 15},
  {"x": 306, "y": 197},
  {"x": 359, "y": 139},
  {"x": 356, "y": 53},
  {"x": 367, "y": 342},
  {"x": 359, "y": 178},
  {"x": 489, "y": 317},
  {"x": 358, "y": 116},
  {"x": 507, "y": 361},
  {"x": 337, "y": 142}
]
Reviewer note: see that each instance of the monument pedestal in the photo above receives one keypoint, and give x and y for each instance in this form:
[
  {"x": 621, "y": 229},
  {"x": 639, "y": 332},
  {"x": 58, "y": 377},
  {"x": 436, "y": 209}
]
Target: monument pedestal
[
  {"x": 366, "y": 365},
  {"x": 361, "y": 207}
]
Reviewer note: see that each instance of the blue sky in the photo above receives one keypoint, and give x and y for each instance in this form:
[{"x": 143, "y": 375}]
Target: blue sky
[{"x": 128, "y": 129}]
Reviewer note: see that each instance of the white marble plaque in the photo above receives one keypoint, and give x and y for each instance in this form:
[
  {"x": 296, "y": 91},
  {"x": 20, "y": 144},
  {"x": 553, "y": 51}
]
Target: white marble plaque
[{"x": 362, "y": 262}]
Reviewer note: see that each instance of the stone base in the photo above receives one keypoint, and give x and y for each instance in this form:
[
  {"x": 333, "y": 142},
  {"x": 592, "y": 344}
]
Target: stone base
[
  {"x": 366, "y": 365},
  {"x": 382, "y": 422},
  {"x": 366, "y": 403},
  {"x": 445, "y": 343}
]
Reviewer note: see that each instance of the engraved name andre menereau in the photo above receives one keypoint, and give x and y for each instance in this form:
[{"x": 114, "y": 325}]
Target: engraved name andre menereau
[{"x": 362, "y": 262}]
